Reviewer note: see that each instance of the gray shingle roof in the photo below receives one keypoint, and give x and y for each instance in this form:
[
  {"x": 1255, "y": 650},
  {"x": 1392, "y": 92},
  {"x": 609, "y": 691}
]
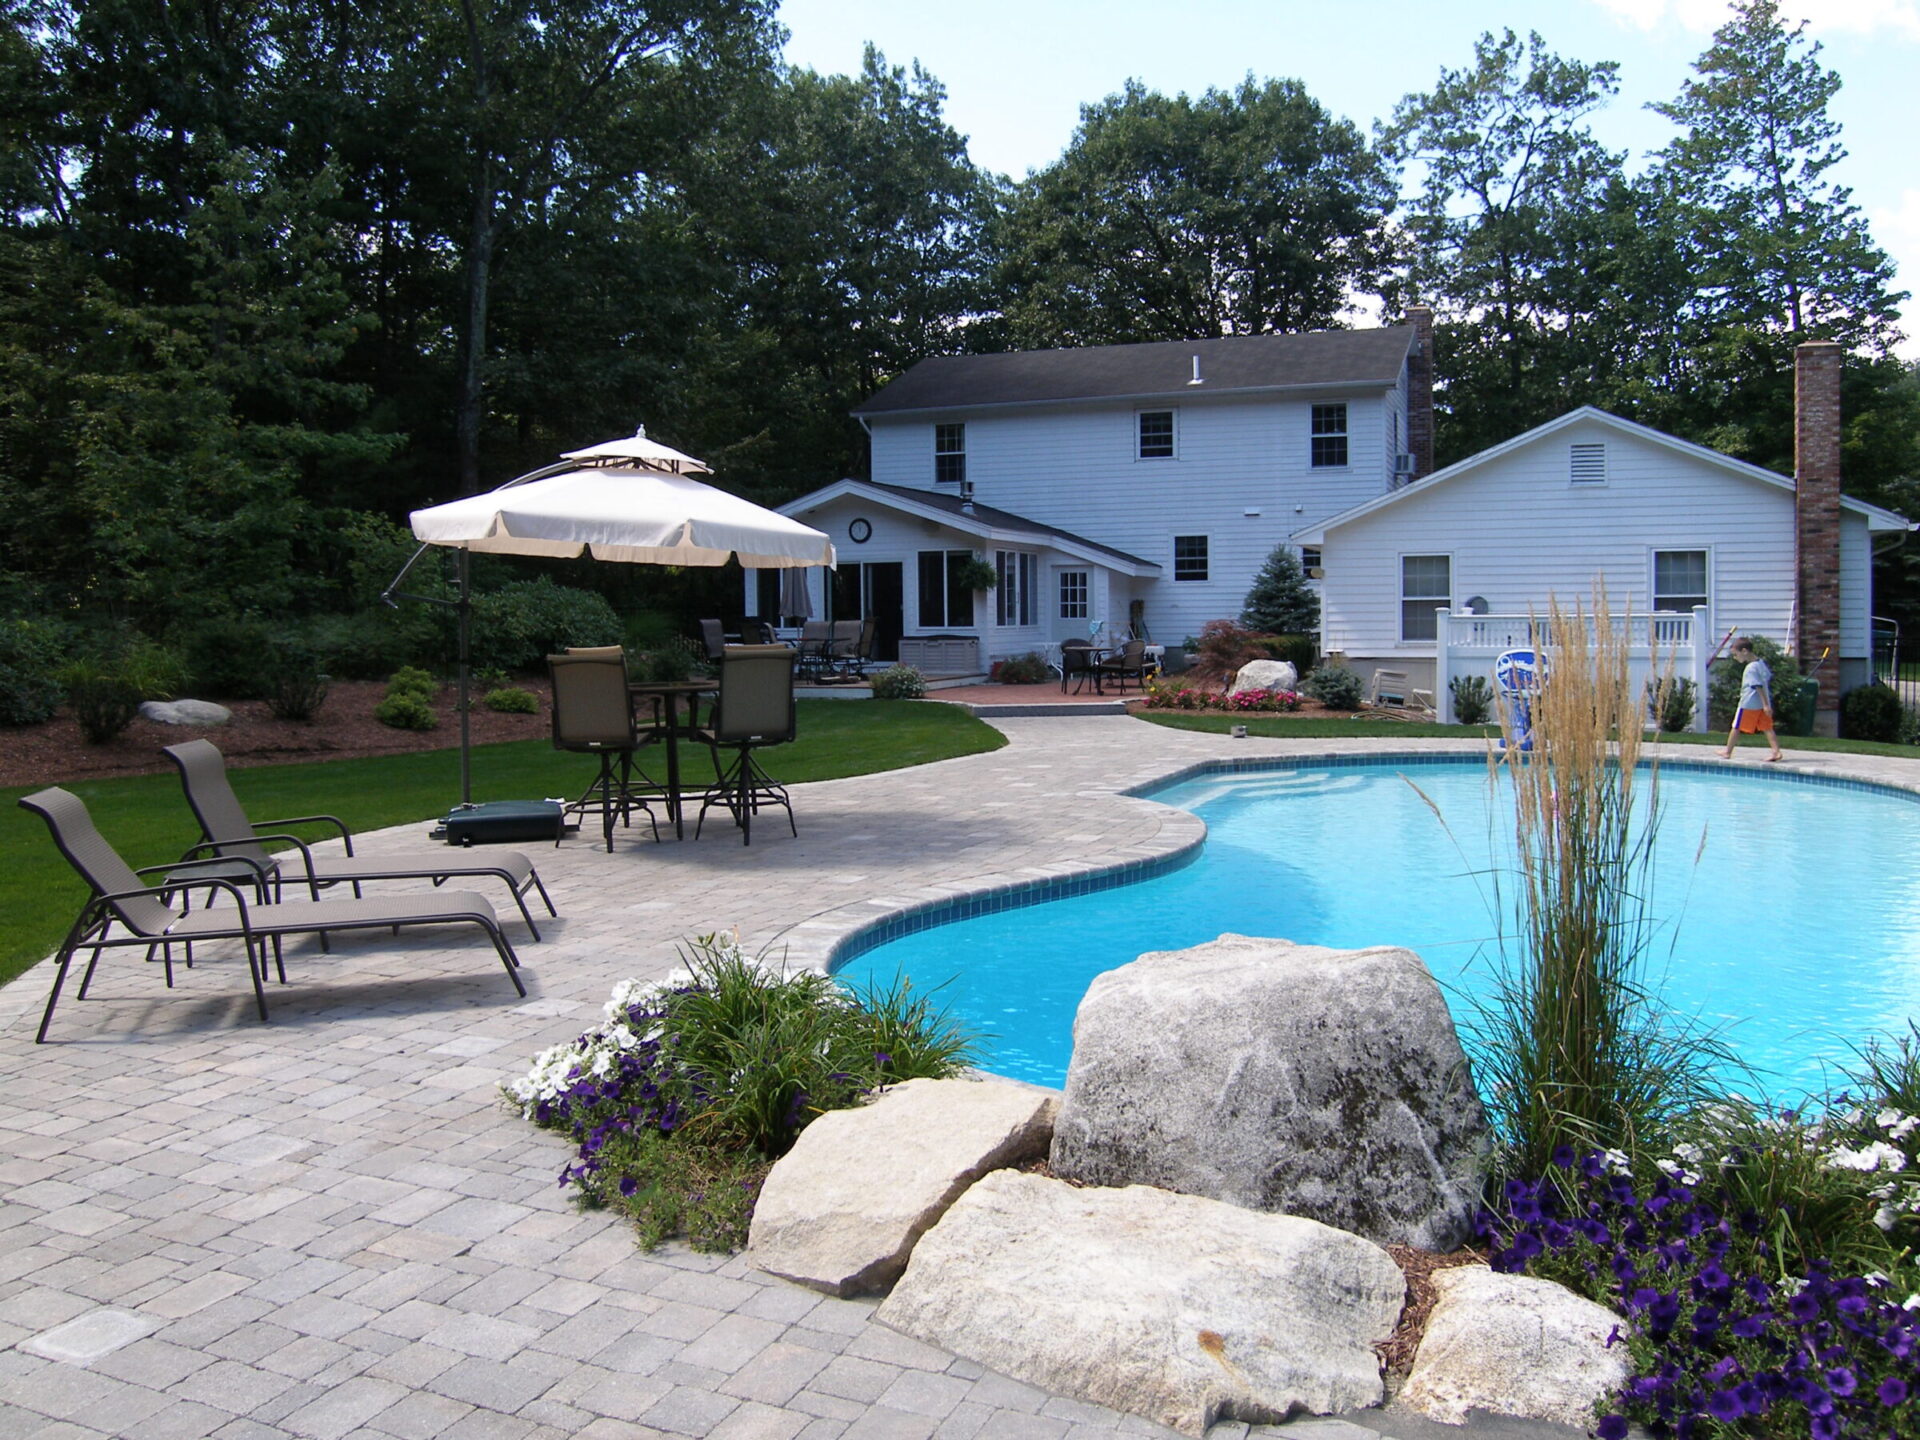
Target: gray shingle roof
[
  {"x": 1103, "y": 372},
  {"x": 1000, "y": 519}
]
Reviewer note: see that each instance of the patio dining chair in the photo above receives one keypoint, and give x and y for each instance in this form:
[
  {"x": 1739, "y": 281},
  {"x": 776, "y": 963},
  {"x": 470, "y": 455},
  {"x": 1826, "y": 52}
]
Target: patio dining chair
[
  {"x": 1131, "y": 660},
  {"x": 1077, "y": 664},
  {"x": 754, "y": 710},
  {"x": 227, "y": 833},
  {"x": 812, "y": 654},
  {"x": 593, "y": 715},
  {"x": 125, "y": 909}
]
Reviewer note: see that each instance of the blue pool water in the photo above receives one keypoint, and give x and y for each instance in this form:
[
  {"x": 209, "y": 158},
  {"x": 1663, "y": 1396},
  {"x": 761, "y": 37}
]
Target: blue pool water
[{"x": 1790, "y": 911}]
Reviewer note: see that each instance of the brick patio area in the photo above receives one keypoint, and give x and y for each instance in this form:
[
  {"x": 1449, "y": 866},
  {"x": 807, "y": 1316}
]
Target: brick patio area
[{"x": 330, "y": 1226}]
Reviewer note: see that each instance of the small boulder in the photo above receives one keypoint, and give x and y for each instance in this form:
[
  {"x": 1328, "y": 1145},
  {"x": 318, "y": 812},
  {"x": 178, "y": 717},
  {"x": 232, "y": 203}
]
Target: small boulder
[
  {"x": 1175, "y": 1309},
  {"x": 1315, "y": 1082},
  {"x": 203, "y": 713},
  {"x": 1265, "y": 675},
  {"x": 841, "y": 1210},
  {"x": 1513, "y": 1345}
]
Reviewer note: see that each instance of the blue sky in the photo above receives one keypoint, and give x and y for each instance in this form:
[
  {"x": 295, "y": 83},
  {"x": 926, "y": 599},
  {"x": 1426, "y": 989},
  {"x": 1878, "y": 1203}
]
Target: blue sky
[{"x": 1016, "y": 74}]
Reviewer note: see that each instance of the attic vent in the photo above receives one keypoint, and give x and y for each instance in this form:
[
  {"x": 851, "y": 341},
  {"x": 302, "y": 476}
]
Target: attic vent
[{"x": 1587, "y": 464}]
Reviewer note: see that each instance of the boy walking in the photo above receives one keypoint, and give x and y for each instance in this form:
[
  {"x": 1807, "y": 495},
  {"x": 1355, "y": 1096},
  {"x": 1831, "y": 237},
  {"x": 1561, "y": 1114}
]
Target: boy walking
[{"x": 1755, "y": 715}]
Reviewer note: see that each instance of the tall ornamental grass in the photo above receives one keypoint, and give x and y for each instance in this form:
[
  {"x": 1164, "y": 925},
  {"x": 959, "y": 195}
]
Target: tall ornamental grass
[{"x": 1574, "y": 1050}]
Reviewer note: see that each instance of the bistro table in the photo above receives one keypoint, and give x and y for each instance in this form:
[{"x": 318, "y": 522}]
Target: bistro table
[{"x": 666, "y": 696}]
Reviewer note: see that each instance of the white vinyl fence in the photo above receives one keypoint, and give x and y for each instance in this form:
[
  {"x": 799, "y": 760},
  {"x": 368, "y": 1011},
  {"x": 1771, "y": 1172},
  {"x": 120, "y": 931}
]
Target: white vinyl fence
[{"x": 1658, "y": 646}]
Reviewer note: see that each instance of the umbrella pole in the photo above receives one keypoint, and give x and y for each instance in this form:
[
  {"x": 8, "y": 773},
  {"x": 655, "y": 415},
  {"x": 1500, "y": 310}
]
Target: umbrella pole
[{"x": 466, "y": 724}]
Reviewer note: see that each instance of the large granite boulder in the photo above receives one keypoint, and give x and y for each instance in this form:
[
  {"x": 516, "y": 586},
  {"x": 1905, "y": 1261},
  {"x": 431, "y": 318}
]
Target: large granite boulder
[
  {"x": 1315, "y": 1082},
  {"x": 202, "y": 713},
  {"x": 1176, "y": 1309},
  {"x": 1265, "y": 675},
  {"x": 1513, "y": 1345},
  {"x": 841, "y": 1210}
]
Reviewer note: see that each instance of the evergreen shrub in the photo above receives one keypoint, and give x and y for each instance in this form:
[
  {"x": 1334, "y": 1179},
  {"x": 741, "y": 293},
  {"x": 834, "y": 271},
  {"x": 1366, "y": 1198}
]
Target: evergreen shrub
[
  {"x": 1336, "y": 687},
  {"x": 30, "y": 656},
  {"x": 512, "y": 700},
  {"x": 518, "y": 625},
  {"x": 1870, "y": 712}
]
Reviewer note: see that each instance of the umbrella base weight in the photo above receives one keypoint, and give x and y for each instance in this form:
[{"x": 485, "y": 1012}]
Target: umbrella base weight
[{"x": 502, "y": 822}]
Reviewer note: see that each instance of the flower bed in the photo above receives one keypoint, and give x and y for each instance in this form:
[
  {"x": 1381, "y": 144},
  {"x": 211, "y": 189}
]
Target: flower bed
[{"x": 1171, "y": 695}]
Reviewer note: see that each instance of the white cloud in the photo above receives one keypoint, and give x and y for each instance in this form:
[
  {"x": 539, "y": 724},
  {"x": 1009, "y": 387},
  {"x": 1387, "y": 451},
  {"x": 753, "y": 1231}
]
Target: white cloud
[{"x": 1826, "y": 17}]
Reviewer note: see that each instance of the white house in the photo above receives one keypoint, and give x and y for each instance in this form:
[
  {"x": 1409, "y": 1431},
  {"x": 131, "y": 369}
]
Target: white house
[
  {"x": 1666, "y": 526},
  {"x": 1139, "y": 486}
]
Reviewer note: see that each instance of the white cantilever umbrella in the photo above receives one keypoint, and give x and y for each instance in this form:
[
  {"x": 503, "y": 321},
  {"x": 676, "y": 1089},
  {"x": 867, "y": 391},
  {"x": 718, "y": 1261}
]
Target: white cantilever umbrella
[{"x": 627, "y": 500}]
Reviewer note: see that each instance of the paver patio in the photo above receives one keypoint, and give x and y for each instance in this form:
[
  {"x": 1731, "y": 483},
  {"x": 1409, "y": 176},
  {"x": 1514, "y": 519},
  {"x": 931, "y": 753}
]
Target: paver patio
[{"x": 329, "y": 1225}]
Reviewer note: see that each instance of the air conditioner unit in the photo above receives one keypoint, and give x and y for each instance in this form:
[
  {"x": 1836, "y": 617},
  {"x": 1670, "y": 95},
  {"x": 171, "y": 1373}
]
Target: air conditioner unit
[{"x": 1403, "y": 465}]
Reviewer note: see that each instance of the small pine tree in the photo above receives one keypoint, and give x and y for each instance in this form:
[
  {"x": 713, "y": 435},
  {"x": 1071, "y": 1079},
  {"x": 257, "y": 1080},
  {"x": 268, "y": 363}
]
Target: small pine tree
[{"x": 1281, "y": 602}]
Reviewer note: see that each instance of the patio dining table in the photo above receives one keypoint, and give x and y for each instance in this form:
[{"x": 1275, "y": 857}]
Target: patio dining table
[{"x": 666, "y": 696}]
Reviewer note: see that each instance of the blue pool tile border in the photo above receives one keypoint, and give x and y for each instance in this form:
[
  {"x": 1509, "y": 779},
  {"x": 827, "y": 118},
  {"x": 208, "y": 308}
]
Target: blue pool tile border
[{"x": 1021, "y": 894}]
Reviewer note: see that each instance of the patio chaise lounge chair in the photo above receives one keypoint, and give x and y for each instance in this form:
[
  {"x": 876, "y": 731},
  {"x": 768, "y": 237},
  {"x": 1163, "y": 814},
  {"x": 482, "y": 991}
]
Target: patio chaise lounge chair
[
  {"x": 147, "y": 917},
  {"x": 227, "y": 832}
]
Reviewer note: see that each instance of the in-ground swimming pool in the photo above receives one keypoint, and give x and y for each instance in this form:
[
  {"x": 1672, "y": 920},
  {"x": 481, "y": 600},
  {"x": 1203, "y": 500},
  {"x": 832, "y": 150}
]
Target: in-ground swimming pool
[{"x": 1798, "y": 927}]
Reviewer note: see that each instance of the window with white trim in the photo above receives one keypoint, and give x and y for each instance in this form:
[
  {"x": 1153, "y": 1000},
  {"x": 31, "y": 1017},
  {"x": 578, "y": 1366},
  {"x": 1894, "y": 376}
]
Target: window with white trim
[
  {"x": 1679, "y": 579},
  {"x": 1154, "y": 432},
  {"x": 1073, "y": 594},
  {"x": 950, "y": 453},
  {"x": 1426, "y": 584},
  {"x": 1189, "y": 557},
  {"x": 1013, "y": 596},
  {"x": 943, "y": 602},
  {"x": 1329, "y": 439},
  {"x": 1587, "y": 464},
  {"x": 1309, "y": 558}
]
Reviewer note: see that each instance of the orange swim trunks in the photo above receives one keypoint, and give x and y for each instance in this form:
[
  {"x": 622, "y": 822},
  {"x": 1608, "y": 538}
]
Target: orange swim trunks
[{"x": 1755, "y": 722}]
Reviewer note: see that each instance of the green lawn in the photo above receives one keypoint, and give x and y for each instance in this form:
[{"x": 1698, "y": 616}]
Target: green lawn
[{"x": 148, "y": 821}]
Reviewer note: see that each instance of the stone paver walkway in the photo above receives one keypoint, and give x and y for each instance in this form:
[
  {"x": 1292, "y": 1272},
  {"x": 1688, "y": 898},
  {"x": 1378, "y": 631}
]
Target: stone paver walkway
[{"x": 329, "y": 1225}]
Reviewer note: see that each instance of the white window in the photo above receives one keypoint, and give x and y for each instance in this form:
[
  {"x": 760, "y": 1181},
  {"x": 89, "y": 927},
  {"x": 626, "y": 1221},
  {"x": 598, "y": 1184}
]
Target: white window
[
  {"x": 1073, "y": 594},
  {"x": 1013, "y": 596},
  {"x": 1310, "y": 558},
  {"x": 1426, "y": 583},
  {"x": 1329, "y": 444},
  {"x": 1587, "y": 464},
  {"x": 949, "y": 454},
  {"x": 1154, "y": 434},
  {"x": 1189, "y": 557},
  {"x": 1679, "y": 579}
]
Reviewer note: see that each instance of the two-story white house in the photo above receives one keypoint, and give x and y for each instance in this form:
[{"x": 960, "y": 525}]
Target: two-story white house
[{"x": 1140, "y": 486}]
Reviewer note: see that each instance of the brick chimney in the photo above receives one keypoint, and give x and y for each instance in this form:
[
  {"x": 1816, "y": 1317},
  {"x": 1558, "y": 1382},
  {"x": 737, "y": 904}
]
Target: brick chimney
[
  {"x": 1420, "y": 390},
  {"x": 1816, "y": 475}
]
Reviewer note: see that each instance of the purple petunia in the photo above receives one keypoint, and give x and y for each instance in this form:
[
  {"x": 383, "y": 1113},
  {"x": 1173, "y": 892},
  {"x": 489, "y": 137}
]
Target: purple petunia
[{"x": 1892, "y": 1392}]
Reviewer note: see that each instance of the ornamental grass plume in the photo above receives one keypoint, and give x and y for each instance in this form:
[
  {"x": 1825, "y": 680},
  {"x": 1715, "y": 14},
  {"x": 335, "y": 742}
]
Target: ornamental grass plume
[{"x": 1574, "y": 1050}]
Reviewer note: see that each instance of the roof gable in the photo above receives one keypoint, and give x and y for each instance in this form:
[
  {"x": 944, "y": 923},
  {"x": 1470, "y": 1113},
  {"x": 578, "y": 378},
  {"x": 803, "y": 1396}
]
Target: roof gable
[
  {"x": 1877, "y": 518},
  {"x": 1231, "y": 364}
]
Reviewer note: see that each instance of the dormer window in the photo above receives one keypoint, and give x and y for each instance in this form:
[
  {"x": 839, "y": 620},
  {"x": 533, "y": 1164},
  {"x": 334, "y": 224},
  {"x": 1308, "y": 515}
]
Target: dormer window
[
  {"x": 949, "y": 454},
  {"x": 1587, "y": 464},
  {"x": 1155, "y": 434}
]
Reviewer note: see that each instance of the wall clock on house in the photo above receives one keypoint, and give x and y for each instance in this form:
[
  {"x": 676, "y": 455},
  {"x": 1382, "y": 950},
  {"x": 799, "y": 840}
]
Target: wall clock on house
[{"x": 860, "y": 531}]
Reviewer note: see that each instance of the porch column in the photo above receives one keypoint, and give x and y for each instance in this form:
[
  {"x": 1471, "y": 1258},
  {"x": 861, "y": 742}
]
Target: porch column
[
  {"x": 1697, "y": 665},
  {"x": 1442, "y": 665}
]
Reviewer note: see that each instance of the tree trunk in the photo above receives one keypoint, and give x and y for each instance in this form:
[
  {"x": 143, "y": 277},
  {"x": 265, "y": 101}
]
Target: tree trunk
[{"x": 469, "y": 404}]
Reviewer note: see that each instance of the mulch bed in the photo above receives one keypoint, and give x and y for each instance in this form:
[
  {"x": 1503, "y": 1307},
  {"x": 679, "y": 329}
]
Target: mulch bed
[{"x": 55, "y": 753}]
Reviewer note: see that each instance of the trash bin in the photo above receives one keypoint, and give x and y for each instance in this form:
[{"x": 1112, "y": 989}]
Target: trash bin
[{"x": 1794, "y": 714}]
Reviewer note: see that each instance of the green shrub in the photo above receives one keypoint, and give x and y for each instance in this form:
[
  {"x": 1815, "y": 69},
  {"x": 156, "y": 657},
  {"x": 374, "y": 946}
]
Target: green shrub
[
  {"x": 369, "y": 644},
  {"x": 1674, "y": 703},
  {"x": 1300, "y": 651},
  {"x": 647, "y": 630},
  {"x": 674, "y": 658},
  {"x": 30, "y": 659},
  {"x": 296, "y": 685},
  {"x": 518, "y": 625},
  {"x": 105, "y": 688},
  {"x": 222, "y": 655},
  {"x": 1281, "y": 600},
  {"x": 407, "y": 710},
  {"x": 411, "y": 680},
  {"x": 1336, "y": 687},
  {"x": 1870, "y": 712},
  {"x": 512, "y": 700},
  {"x": 899, "y": 682},
  {"x": 1910, "y": 726},
  {"x": 1028, "y": 669},
  {"x": 693, "y": 1086},
  {"x": 1723, "y": 682},
  {"x": 1472, "y": 699},
  {"x": 1222, "y": 648}
]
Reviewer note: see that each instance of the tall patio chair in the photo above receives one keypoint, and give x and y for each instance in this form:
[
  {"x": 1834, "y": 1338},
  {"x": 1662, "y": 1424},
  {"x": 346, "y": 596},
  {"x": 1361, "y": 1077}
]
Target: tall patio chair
[
  {"x": 754, "y": 710},
  {"x": 843, "y": 650},
  {"x": 1131, "y": 660},
  {"x": 145, "y": 916},
  {"x": 1077, "y": 664},
  {"x": 593, "y": 715},
  {"x": 226, "y": 832},
  {"x": 713, "y": 635},
  {"x": 816, "y": 638}
]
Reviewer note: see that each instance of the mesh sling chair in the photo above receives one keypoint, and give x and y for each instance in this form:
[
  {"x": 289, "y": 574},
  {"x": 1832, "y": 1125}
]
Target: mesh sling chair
[
  {"x": 593, "y": 715},
  {"x": 1132, "y": 660},
  {"x": 1077, "y": 665},
  {"x": 227, "y": 832},
  {"x": 754, "y": 708},
  {"x": 145, "y": 916}
]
